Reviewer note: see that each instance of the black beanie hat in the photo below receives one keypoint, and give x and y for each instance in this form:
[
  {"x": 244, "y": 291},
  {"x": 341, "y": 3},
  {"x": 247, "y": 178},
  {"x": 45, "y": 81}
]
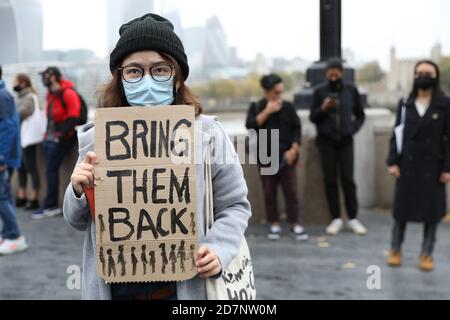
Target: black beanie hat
[{"x": 150, "y": 32}]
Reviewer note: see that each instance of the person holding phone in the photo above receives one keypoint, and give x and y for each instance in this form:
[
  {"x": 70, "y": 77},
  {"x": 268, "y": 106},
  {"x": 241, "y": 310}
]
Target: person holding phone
[
  {"x": 422, "y": 166},
  {"x": 338, "y": 114}
]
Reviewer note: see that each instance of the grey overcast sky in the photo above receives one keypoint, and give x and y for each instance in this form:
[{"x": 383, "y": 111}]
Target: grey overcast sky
[{"x": 274, "y": 28}]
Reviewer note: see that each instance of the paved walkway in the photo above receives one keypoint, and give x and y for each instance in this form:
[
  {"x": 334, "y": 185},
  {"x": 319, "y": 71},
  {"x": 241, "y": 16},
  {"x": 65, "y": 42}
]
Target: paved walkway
[{"x": 322, "y": 268}]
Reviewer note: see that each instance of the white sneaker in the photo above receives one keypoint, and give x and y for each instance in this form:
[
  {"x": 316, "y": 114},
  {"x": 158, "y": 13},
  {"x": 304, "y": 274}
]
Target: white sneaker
[
  {"x": 275, "y": 232},
  {"x": 47, "y": 213},
  {"x": 13, "y": 246},
  {"x": 356, "y": 226},
  {"x": 335, "y": 227},
  {"x": 299, "y": 233}
]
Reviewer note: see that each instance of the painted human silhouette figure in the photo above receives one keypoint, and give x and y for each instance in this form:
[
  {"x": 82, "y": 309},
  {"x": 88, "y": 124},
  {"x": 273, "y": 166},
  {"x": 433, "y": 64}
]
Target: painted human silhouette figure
[
  {"x": 101, "y": 226},
  {"x": 144, "y": 258},
  {"x": 192, "y": 255},
  {"x": 111, "y": 263},
  {"x": 153, "y": 261},
  {"x": 134, "y": 260},
  {"x": 165, "y": 261},
  {"x": 192, "y": 225},
  {"x": 121, "y": 260},
  {"x": 173, "y": 257},
  {"x": 182, "y": 255},
  {"x": 101, "y": 256}
]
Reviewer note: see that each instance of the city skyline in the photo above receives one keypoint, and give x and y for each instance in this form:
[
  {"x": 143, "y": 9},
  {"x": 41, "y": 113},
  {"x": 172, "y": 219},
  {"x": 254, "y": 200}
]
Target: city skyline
[
  {"x": 21, "y": 24},
  {"x": 120, "y": 12},
  {"x": 249, "y": 33}
]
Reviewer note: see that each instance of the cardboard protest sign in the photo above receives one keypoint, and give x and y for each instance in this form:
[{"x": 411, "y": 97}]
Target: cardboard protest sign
[{"x": 145, "y": 194}]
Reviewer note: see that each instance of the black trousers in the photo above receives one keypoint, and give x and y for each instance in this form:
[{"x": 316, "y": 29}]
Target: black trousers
[
  {"x": 287, "y": 177},
  {"x": 338, "y": 162},
  {"x": 54, "y": 156},
  {"x": 429, "y": 236},
  {"x": 29, "y": 166}
]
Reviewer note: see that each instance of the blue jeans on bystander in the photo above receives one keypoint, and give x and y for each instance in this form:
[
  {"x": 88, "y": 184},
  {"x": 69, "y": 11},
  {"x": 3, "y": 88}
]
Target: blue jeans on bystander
[{"x": 10, "y": 230}]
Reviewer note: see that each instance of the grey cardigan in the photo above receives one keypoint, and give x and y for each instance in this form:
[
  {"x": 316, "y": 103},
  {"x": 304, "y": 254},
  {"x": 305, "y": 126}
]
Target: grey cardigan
[
  {"x": 25, "y": 103},
  {"x": 231, "y": 208}
]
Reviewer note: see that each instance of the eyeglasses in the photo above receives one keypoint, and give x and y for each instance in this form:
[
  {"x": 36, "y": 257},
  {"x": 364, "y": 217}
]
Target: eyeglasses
[{"x": 159, "y": 73}]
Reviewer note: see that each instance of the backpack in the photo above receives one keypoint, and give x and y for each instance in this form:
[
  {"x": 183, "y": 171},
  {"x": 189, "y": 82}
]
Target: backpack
[{"x": 83, "y": 110}]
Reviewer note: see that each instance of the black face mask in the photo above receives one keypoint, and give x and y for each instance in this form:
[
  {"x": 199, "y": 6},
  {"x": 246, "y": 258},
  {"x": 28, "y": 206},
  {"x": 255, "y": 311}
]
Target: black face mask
[
  {"x": 425, "y": 82},
  {"x": 335, "y": 85},
  {"x": 46, "y": 82},
  {"x": 17, "y": 89}
]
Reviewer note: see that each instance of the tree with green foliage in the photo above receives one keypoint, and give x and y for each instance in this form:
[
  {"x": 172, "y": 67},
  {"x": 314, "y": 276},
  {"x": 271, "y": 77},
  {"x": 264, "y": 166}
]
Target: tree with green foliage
[
  {"x": 370, "y": 72},
  {"x": 248, "y": 88},
  {"x": 444, "y": 65}
]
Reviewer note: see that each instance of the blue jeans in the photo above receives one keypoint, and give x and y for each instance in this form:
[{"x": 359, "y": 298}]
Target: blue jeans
[
  {"x": 10, "y": 229},
  {"x": 54, "y": 156}
]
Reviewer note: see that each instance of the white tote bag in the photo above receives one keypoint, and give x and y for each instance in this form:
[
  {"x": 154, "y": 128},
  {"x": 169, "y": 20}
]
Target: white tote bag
[
  {"x": 237, "y": 282},
  {"x": 399, "y": 130},
  {"x": 32, "y": 130}
]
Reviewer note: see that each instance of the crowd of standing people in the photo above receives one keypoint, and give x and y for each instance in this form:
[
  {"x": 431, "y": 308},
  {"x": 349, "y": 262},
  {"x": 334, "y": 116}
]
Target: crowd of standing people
[
  {"x": 150, "y": 70},
  {"x": 25, "y": 127},
  {"x": 419, "y": 155}
]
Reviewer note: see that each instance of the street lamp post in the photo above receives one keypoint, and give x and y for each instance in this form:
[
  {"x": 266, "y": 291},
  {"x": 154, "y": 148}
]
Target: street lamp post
[
  {"x": 330, "y": 29},
  {"x": 330, "y": 47}
]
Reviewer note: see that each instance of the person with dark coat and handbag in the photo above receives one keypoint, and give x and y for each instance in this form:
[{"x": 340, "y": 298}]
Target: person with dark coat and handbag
[
  {"x": 419, "y": 157},
  {"x": 338, "y": 113}
]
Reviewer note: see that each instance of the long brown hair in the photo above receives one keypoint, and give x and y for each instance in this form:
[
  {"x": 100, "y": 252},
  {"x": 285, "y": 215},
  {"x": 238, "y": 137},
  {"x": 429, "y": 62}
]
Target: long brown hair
[
  {"x": 112, "y": 95},
  {"x": 24, "y": 79}
]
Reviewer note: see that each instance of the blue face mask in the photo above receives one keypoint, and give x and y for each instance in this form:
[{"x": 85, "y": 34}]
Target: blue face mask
[{"x": 149, "y": 92}]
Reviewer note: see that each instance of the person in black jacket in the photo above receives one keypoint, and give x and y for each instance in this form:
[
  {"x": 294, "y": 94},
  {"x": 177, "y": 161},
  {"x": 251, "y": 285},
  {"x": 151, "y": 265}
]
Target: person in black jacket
[
  {"x": 267, "y": 116},
  {"x": 419, "y": 157},
  {"x": 338, "y": 114}
]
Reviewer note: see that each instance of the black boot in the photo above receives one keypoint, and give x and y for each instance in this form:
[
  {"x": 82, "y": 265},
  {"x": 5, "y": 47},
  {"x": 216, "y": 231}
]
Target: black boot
[
  {"x": 32, "y": 205},
  {"x": 20, "y": 203}
]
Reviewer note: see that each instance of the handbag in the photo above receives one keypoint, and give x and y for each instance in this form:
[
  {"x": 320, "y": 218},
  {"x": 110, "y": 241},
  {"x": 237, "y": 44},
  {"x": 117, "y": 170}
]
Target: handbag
[
  {"x": 32, "y": 130},
  {"x": 237, "y": 281},
  {"x": 399, "y": 130}
]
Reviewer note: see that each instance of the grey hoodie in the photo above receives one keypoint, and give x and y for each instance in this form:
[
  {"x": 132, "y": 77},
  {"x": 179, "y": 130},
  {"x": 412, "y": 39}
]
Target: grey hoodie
[{"x": 231, "y": 209}]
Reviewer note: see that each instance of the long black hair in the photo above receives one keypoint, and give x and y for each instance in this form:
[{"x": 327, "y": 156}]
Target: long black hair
[{"x": 437, "y": 91}]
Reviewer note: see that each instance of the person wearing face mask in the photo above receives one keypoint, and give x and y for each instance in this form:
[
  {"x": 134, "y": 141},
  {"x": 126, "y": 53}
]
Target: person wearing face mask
[
  {"x": 63, "y": 114},
  {"x": 419, "y": 159},
  {"x": 338, "y": 114},
  {"x": 149, "y": 68},
  {"x": 32, "y": 134}
]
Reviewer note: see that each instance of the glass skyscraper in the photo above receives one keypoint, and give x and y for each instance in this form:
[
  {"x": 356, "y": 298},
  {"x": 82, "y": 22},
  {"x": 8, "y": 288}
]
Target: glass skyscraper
[{"x": 21, "y": 36}]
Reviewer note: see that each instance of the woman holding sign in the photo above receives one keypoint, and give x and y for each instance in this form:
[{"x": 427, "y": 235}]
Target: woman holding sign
[
  {"x": 419, "y": 158},
  {"x": 149, "y": 68}
]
